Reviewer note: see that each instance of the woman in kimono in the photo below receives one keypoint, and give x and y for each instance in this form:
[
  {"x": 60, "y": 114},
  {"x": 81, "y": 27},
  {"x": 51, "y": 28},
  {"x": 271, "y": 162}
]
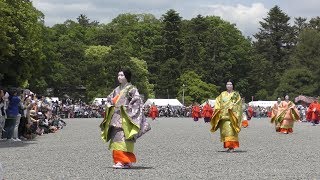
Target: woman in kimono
[
  {"x": 274, "y": 113},
  {"x": 124, "y": 121},
  {"x": 228, "y": 117},
  {"x": 286, "y": 115}
]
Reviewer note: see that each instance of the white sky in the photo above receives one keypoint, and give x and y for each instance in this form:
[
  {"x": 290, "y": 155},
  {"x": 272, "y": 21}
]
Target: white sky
[{"x": 246, "y": 14}]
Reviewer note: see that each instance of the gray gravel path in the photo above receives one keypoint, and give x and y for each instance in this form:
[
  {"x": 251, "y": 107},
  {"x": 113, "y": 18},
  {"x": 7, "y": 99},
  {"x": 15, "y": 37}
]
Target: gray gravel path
[{"x": 175, "y": 148}]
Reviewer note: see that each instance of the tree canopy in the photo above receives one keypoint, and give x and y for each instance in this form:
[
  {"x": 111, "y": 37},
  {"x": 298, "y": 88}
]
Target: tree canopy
[{"x": 82, "y": 57}]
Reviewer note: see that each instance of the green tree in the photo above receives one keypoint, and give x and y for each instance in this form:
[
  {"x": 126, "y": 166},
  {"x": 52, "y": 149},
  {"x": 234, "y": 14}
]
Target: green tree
[
  {"x": 21, "y": 44},
  {"x": 95, "y": 73},
  {"x": 118, "y": 59},
  {"x": 84, "y": 21},
  {"x": 307, "y": 56},
  {"x": 275, "y": 42},
  {"x": 195, "y": 90},
  {"x": 166, "y": 85},
  {"x": 172, "y": 35},
  {"x": 227, "y": 54},
  {"x": 141, "y": 78},
  {"x": 295, "y": 82},
  {"x": 299, "y": 24},
  {"x": 195, "y": 32},
  {"x": 168, "y": 54},
  {"x": 314, "y": 23}
]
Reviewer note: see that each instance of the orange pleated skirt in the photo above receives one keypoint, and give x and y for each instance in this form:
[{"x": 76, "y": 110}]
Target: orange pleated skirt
[
  {"x": 285, "y": 130},
  {"x": 231, "y": 144},
  {"x": 123, "y": 157}
]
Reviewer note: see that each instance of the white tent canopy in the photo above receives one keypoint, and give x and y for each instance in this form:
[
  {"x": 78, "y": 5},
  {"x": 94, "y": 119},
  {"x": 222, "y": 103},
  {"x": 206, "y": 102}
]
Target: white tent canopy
[
  {"x": 98, "y": 101},
  {"x": 50, "y": 99},
  {"x": 212, "y": 102},
  {"x": 262, "y": 103},
  {"x": 163, "y": 102}
]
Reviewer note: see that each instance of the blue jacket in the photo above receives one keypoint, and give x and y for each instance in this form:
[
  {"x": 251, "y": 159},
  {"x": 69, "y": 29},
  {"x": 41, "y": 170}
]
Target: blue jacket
[{"x": 13, "y": 108}]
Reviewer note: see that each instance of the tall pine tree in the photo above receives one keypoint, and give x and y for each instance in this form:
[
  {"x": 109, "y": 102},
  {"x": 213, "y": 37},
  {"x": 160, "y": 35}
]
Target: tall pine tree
[
  {"x": 274, "y": 43},
  {"x": 171, "y": 57}
]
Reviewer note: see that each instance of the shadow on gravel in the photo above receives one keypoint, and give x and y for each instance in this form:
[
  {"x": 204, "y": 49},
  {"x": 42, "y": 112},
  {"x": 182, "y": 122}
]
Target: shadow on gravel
[
  {"x": 135, "y": 168},
  {"x": 237, "y": 151},
  {"x": 4, "y": 144},
  {"x": 141, "y": 167}
]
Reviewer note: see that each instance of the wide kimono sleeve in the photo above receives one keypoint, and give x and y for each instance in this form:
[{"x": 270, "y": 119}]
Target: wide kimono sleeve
[
  {"x": 235, "y": 113},
  {"x": 109, "y": 111},
  {"x": 134, "y": 123},
  {"x": 233, "y": 109},
  {"x": 217, "y": 114},
  {"x": 274, "y": 111},
  {"x": 294, "y": 112},
  {"x": 110, "y": 97}
]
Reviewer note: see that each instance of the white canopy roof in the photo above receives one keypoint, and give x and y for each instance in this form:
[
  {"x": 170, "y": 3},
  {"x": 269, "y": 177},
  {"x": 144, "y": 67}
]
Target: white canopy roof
[
  {"x": 163, "y": 102},
  {"x": 98, "y": 101},
  {"x": 50, "y": 99},
  {"x": 262, "y": 103}
]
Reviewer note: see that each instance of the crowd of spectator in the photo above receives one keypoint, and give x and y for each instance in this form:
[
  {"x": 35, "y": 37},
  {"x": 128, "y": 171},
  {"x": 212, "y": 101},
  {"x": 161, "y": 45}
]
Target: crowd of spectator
[
  {"x": 70, "y": 108},
  {"x": 185, "y": 111},
  {"x": 25, "y": 115}
]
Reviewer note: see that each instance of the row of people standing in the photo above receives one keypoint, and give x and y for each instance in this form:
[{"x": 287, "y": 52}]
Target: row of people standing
[
  {"x": 206, "y": 112},
  {"x": 24, "y": 115}
]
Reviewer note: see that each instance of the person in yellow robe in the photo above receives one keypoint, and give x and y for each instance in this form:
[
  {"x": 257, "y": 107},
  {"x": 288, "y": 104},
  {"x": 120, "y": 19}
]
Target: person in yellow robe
[
  {"x": 228, "y": 117},
  {"x": 124, "y": 121}
]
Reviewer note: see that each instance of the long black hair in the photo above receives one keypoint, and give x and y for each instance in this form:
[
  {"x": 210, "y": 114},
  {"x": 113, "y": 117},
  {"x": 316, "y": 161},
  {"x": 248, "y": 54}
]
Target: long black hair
[
  {"x": 232, "y": 83},
  {"x": 127, "y": 73},
  {"x": 4, "y": 92}
]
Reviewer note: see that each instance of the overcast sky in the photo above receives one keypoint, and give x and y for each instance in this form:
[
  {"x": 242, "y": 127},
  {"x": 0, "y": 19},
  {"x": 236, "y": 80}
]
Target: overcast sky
[{"x": 246, "y": 14}]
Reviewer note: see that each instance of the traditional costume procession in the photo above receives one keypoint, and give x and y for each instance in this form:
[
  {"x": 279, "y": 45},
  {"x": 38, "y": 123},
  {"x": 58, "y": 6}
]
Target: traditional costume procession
[
  {"x": 274, "y": 114},
  {"x": 153, "y": 112},
  {"x": 124, "y": 121},
  {"x": 285, "y": 116},
  {"x": 228, "y": 117},
  {"x": 247, "y": 114},
  {"x": 313, "y": 113},
  {"x": 207, "y": 112},
  {"x": 196, "y": 112}
]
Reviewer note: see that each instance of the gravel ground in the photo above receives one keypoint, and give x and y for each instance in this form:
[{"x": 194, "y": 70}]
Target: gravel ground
[{"x": 175, "y": 148}]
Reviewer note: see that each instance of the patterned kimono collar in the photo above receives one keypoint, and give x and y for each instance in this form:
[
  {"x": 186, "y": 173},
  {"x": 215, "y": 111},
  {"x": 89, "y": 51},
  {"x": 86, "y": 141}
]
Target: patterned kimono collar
[{"x": 125, "y": 86}]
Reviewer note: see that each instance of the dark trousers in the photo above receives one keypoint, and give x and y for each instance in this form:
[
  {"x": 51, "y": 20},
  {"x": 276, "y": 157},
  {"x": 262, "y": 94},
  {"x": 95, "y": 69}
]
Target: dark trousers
[
  {"x": 22, "y": 126},
  {"x": 9, "y": 127}
]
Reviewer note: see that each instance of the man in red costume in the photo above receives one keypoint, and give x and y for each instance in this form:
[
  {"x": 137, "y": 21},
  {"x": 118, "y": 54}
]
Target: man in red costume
[
  {"x": 153, "y": 112},
  {"x": 196, "y": 112},
  {"x": 314, "y": 112},
  {"x": 207, "y": 112}
]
